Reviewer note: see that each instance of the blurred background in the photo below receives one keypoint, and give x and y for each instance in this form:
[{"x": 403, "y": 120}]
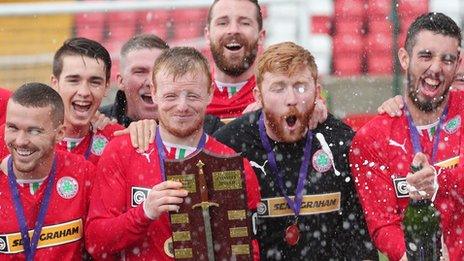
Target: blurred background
[{"x": 354, "y": 41}]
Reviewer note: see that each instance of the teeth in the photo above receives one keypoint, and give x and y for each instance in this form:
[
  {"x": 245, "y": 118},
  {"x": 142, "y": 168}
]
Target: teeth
[
  {"x": 24, "y": 152},
  {"x": 431, "y": 81},
  {"x": 232, "y": 45},
  {"x": 82, "y": 103}
]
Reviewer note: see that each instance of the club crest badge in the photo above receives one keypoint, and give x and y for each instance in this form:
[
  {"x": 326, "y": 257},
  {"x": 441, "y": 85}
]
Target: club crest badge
[
  {"x": 98, "y": 144},
  {"x": 67, "y": 187},
  {"x": 453, "y": 125},
  {"x": 321, "y": 161},
  {"x": 169, "y": 247}
]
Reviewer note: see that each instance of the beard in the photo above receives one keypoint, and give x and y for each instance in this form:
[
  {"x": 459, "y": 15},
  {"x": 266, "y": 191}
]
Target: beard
[
  {"x": 181, "y": 131},
  {"x": 277, "y": 123},
  {"x": 234, "y": 67},
  {"x": 427, "y": 105}
]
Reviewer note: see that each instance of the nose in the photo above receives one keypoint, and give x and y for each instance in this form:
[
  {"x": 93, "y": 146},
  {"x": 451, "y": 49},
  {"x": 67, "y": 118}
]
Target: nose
[
  {"x": 182, "y": 105},
  {"x": 84, "y": 89},
  {"x": 291, "y": 98},
  {"x": 233, "y": 27},
  {"x": 22, "y": 139},
  {"x": 435, "y": 65}
]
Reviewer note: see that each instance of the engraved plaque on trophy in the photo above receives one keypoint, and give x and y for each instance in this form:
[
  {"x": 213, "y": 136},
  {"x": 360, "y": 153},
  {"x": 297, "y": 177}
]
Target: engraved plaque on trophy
[{"x": 213, "y": 222}]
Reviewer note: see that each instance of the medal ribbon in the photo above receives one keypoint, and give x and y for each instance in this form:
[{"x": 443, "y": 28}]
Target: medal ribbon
[
  {"x": 30, "y": 246},
  {"x": 89, "y": 148},
  {"x": 295, "y": 204},
  {"x": 414, "y": 134},
  {"x": 162, "y": 153}
]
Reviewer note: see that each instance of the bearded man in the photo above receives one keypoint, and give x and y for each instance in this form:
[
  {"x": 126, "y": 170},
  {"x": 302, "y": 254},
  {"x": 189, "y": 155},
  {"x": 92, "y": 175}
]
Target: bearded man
[
  {"x": 428, "y": 132},
  {"x": 309, "y": 209},
  {"x": 234, "y": 33}
]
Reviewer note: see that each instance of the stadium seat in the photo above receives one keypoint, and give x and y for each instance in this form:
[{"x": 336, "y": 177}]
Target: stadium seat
[
  {"x": 187, "y": 30},
  {"x": 321, "y": 24},
  {"x": 380, "y": 63},
  {"x": 380, "y": 25},
  {"x": 347, "y": 43},
  {"x": 347, "y": 26},
  {"x": 347, "y": 64},
  {"x": 405, "y": 22},
  {"x": 90, "y": 25},
  {"x": 121, "y": 25},
  {"x": 154, "y": 22},
  {"x": 379, "y": 8},
  {"x": 356, "y": 121},
  {"x": 413, "y": 7},
  {"x": 349, "y": 8},
  {"x": 376, "y": 42}
]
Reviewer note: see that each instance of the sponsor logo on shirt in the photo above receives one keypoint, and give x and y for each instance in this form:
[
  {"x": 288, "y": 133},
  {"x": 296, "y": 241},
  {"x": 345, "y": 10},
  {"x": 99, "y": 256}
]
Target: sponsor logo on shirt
[
  {"x": 98, "y": 144},
  {"x": 453, "y": 124},
  {"x": 311, "y": 205},
  {"x": 401, "y": 187},
  {"x": 67, "y": 187},
  {"x": 321, "y": 161},
  {"x": 54, "y": 235},
  {"x": 138, "y": 195}
]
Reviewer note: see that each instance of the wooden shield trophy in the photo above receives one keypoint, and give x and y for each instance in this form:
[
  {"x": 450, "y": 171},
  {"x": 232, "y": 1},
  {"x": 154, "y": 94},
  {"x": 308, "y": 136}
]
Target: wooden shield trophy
[{"x": 213, "y": 222}]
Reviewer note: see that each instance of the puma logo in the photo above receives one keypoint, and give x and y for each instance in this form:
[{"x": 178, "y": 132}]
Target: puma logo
[
  {"x": 256, "y": 165},
  {"x": 147, "y": 154},
  {"x": 396, "y": 144}
]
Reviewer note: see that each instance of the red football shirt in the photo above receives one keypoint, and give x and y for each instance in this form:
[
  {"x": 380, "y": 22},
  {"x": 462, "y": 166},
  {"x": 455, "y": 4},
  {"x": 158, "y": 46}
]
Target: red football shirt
[
  {"x": 62, "y": 235},
  {"x": 115, "y": 208},
  {"x": 380, "y": 158}
]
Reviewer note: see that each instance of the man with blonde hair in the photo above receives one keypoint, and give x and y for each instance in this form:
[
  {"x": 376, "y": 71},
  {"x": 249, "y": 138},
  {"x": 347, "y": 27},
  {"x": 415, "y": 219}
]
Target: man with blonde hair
[{"x": 309, "y": 209}]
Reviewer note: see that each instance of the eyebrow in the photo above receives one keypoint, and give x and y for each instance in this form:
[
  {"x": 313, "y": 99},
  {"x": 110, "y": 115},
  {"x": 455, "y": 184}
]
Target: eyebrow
[{"x": 422, "y": 52}]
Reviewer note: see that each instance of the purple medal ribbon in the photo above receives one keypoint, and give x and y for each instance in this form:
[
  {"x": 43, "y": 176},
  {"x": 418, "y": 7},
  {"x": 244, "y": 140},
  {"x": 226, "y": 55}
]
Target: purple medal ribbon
[
  {"x": 295, "y": 204},
  {"x": 162, "y": 154},
  {"x": 30, "y": 246},
  {"x": 88, "y": 150},
  {"x": 414, "y": 134}
]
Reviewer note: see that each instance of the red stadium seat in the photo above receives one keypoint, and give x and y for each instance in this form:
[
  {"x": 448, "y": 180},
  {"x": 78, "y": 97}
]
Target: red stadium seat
[
  {"x": 347, "y": 43},
  {"x": 380, "y": 25},
  {"x": 378, "y": 42},
  {"x": 121, "y": 25},
  {"x": 90, "y": 25},
  {"x": 380, "y": 63},
  {"x": 155, "y": 22},
  {"x": 347, "y": 64},
  {"x": 405, "y": 22},
  {"x": 349, "y": 8},
  {"x": 320, "y": 24},
  {"x": 197, "y": 15},
  {"x": 356, "y": 121},
  {"x": 413, "y": 8},
  {"x": 379, "y": 8},
  {"x": 187, "y": 30},
  {"x": 346, "y": 26}
]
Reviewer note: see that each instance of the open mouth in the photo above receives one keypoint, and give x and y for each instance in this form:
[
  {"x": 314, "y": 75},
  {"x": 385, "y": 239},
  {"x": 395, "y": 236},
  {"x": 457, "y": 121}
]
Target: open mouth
[
  {"x": 81, "y": 106},
  {"x": 291, "y": 120},
  {"x": 233, "y": 46},
  {"x": 147, "y": 98},
  {"x": 430, "y": 86},
  {"x": 24, "y": 152}
]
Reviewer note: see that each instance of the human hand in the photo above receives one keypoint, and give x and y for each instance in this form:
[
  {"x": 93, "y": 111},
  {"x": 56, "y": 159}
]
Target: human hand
[
  {"x": 319, "y": 114},
  {"x": 252, "y": 107},
  {"x": 100, "y": 121},
  {"x": 422, "y": 183},
  {"x": 392, "y": 106},
  {"x": 141, "y": 133},
  {"x": 163, "y": 197}
]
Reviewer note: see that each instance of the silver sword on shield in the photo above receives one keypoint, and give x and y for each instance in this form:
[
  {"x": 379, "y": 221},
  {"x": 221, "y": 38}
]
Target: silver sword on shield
[{"x": 205, "y": 206}]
